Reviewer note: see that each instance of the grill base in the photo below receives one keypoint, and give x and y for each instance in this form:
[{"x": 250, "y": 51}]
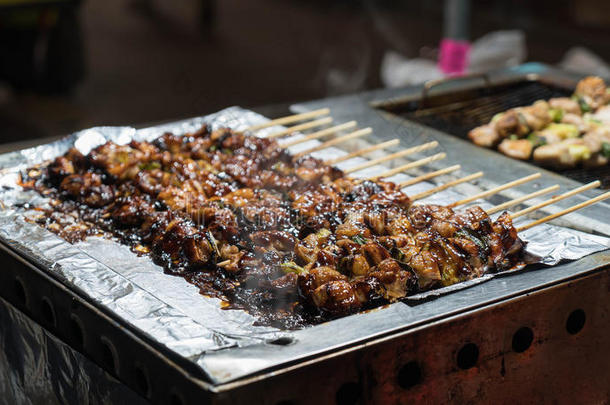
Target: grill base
[{"x": 535, "y": 348}]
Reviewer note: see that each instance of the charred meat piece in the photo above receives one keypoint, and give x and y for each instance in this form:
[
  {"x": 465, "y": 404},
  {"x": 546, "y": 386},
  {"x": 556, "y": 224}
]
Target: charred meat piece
[{"x": 88, "y": 188}]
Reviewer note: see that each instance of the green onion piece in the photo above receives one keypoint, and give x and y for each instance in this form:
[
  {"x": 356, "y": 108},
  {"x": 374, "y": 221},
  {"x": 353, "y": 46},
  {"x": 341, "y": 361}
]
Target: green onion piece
[
  {"x": 584, "y": 107},
  {"x": 496, "y": 117},
  {"x": 564, "y": 131},
  {"x": 606, "y": 149},
  {"x": 359, "y": 239},
  {"x": 590, "y": 118},
  {"x": 212, "y": 242},
  {"x": 323, "y": 233},
  {"x": 150, "y": 166},
  {"x": 556, "y": 114},
  {"x": 579, "y": 152},
  {"x": 292, "y": 267},
  {"x": 472, "y": 236},
  {"x": 536, "y": 140}
]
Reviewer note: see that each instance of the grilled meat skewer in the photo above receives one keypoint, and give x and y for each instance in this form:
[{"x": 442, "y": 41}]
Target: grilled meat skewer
[{"x": 291, "y": 240}]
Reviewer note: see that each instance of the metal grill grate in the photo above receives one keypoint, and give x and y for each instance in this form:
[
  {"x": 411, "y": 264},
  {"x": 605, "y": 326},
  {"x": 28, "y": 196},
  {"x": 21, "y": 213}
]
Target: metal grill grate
[{"x": 458, "y": 112}]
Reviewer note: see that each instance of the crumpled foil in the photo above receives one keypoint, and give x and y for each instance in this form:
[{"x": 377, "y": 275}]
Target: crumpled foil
[
  {"x": 166, "y": 308},
  {"x": 38, "y": 368}
]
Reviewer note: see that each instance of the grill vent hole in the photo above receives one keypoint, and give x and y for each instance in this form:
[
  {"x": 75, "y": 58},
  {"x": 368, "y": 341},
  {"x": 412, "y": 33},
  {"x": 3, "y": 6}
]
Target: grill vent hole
[
  {"x": 348, "y": 394},
  {"x": 467, "y": 356},
  {"x": 409, "y": 375},
  {"x": 522, "y": 339},
  {"x": 76, "y": 332},
  {"x": 20, "y": 293},
  {"x": 142, "y": 381},
  {"x": 576, "y": 321},
  {"x": 109, "y": 357},
  {"x": 48, "y": 313},
  {"x": 174, "y": 399}
]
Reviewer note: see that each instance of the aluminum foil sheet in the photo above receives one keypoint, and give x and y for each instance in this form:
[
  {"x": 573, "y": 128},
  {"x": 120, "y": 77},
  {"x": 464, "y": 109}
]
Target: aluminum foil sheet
[{"x": 166, "y": 308}]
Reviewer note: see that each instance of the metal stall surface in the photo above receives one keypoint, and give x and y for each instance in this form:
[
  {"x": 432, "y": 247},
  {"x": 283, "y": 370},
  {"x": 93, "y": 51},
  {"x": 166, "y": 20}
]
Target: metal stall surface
[{"x": 540, "y": 334}]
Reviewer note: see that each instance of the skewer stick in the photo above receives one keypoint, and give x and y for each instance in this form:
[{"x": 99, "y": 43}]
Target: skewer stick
[
  {"x": 556, "y": 198},
  {"x": 408, "y": 166},
  {"x": 393, "y": 156},
  {"x": 290, "y": 119},
  {"x": 519, "y": 200},
  {"x": 320, "y": 134},
  {"x": 428, "y": 176},
  {"x": 564, "y": 212},
  {"x": 495, "y": 190},
  {"x": 445, "y": 186},
  {"x": 333, "y": 142},
  {"x": 301, "y": 127},
  {"x": 364, "y": 151}
]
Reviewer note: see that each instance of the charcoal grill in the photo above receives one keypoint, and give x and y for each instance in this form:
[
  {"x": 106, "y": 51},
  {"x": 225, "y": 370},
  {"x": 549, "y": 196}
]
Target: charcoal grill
[
  {"x": 459, "y": 111},
  {"x": 540, "y": 336}
]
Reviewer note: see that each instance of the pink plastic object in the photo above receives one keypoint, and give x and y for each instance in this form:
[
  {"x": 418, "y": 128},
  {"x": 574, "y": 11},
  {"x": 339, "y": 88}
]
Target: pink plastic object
[{"x": 454, "y": 56}]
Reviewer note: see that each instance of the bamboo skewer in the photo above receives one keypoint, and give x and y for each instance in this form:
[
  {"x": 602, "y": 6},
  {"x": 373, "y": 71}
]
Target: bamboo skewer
[
  {"x": 320, "y": 134},
  {"x": 364, "y": 151},
  {"x": 301, "y": 127},
  {"x": 333, "y": 142},
  {"x": 290, "y": 119},
  {"x": 408, "y": 166},
  {"x": 564, "y": 212},
  {"x": 445, "y": 186},
  {"x": 519, "y": 200},
  {"x": 438, "y": 156},
  {"x": 392, "y": 156},
  {"x": 428, "y": 176},
  {"x": 495, "y": 190},
  {"x": 554, "y": 199}
]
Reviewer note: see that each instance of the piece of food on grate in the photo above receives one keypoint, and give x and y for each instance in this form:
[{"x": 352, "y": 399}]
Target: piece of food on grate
[{"x": 561, "y": 133}]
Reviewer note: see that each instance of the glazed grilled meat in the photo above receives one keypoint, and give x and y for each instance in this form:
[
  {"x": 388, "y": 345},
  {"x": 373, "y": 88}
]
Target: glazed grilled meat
[{"x": 292, "y": 241}]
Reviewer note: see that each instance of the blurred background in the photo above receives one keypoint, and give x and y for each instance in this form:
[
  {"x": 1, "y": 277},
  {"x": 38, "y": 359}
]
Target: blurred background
[{"x": 68, "y": 65}]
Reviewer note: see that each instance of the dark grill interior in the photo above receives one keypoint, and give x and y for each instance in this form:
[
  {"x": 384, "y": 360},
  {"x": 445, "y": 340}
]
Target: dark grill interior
[{"x": 458, "y": 112}]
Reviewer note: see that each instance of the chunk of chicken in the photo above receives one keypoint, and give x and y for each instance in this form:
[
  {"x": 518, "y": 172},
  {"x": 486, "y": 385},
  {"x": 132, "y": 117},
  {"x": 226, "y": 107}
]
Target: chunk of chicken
[
  {"x": 577, "y": 121},
  {"x": 537, "y": 115},
  {"x": 485, "y": 135},
  {"x": 566, "y": 104},
  {"x": 592, "y": 91},
  {"x": 565, "y": 154},
  {"x": 517, "y": 149},
  {"x": 512, "y": 122},
  {"x": 602, "y": 114},
  {"x": 596, "y": 138}
]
